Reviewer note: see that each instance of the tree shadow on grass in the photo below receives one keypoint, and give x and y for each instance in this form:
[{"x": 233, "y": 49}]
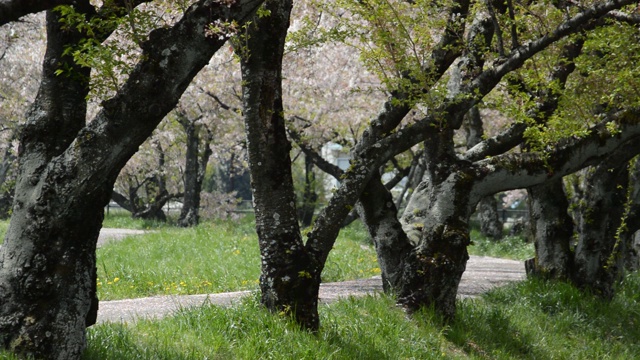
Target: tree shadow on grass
[
  {"x": 546, "y": 319},
  {"x": 488, "y": 333}
]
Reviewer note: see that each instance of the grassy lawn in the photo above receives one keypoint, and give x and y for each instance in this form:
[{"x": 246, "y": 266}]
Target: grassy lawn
[
  {"x": 213, "y": 257},
  {"x": 509, "y": 247},
  {"x": 530, "y": 320},
  {"x": 224, "y": 256}
]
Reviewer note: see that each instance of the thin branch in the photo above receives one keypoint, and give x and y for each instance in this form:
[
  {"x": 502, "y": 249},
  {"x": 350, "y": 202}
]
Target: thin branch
[
  {"x": 514, "y": 29},
  {"x": 496, "y": 27},
  {"x": 317, "y": 160},
  {"x": 222, "y": 104}
]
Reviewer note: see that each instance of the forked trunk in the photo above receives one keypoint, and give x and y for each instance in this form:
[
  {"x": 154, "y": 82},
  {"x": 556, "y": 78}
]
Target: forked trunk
[
  {"x": 437, "y": 217},
  {"x": 47, "y": 261},
  {"x": 195, "y": 167}
]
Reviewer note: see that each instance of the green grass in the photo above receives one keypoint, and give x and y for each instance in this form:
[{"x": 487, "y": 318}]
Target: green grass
[
  {"x": 510, "y": 247},
  {"x": 530, "y": 320},
  {"x": 367, "y": 328},
  {"x": 213, "y": 257},
  {"x": 550, "y": 320},
  {"x": 119, "y": 218},
  {"x": 223, "y": 256},
  {"x": 4, "y": 224}
]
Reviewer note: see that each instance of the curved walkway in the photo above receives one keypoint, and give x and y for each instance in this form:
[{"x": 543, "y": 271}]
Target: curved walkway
[{"x": 483, "y": 273}]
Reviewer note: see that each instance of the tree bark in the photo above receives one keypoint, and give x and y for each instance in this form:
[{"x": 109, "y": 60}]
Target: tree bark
[
  {"x": 380, "y": 215},
  {"x": 67, "y": 172},
  {"x": 598, "y": 255},
  {"x": 7, "y": 178},
  {"x": 436, "y": 220},
  {"x": 193, "y": 173},
  {"x": 309, "y": 197},
  {"x": 287, "y": 283},
  {"x": 552, "y": 228},
  {"x": 630, "y": 234},
  {"x": 47, "y": 262}
]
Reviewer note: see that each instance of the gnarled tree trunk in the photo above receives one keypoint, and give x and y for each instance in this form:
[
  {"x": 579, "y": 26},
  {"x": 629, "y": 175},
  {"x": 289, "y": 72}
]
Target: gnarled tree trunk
[
  {"x": 437, "y": 221},
  {"x": 552, "y": 228},
  {"x": 67, "y": 172},
  {"x": 48, "y": 288},
  {"x": 598, "y": 255}
]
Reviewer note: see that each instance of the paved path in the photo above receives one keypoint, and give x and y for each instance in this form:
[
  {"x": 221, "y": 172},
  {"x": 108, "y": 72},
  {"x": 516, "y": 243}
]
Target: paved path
[
  {"x": 107, "y": 234},
  {"x": 483, "y": 273}
]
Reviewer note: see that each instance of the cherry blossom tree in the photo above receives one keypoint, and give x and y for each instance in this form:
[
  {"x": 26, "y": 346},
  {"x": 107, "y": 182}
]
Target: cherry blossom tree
[{"x": 422, "y": 261}]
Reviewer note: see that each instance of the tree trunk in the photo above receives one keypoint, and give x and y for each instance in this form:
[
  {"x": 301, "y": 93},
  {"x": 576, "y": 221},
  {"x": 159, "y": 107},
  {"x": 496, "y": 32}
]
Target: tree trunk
[
  {"x": 490, "y": 224},
  {"x": 414, "y": 177},
  {"x": 380, "y": 215},
  {"x": 189, "y": 215},
  {"x": 122, "y": 201},
  {"x": 288, "y": 283},
  {"x": 437, "y": 218},
  {"x": 437, "y": 221},
  {"x": 598, "y": 255},
  {"x": 309, "y": 197},
  {"x": 67, "y": 172},
  {"x": 630, "y": 234},
  {"x": 552, "y": 228},
  {"x": 156, "y": 193},
  {"x": 47, "y": 262},
  {"x": 7, "y": 175}
]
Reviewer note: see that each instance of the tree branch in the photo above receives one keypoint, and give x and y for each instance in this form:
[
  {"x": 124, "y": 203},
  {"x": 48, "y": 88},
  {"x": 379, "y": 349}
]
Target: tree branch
[
  {"x": 442, "y": 56},
  {"x": 631, "y": 19},
  {"x": 546, "y": 105},
  {"x": 221, "y": 103},
  {"x": 516, "y": 171},
  {"x": 12, "y": 10},
  {"x": 317, "y": 160},
  {"x": 400, "y": 141}
]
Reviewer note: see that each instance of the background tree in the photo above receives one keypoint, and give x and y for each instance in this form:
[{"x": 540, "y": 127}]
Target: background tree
[{"x": 21, "y": 50}]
